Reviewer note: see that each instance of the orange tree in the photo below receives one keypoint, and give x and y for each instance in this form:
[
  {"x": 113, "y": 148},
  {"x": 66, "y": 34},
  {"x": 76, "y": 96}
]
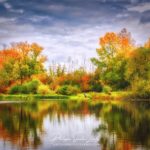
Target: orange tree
[
  {"x": 112, "y": 58},
  {"x": 20, "y": 61}
]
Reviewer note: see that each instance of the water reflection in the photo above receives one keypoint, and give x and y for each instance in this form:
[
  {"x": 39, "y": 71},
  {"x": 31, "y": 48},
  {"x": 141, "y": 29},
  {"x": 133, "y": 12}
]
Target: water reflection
[{"x": 77, "y": 124}]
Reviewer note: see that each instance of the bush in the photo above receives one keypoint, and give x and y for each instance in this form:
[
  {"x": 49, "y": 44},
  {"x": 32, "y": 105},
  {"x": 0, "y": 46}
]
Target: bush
[
  {"x": 26, "y": 88},
  {"x": 141, "y": 88},
  {"x": 32, "y": 86},
  {"x": 107, "y": 89},
  {"x": 15, "y": 89},
  {"x": 43, "y": 89},
  {"x": 97, "y": 87},
  {"x": 19, "y": 89},
  {"x": 68, "y": 90}
]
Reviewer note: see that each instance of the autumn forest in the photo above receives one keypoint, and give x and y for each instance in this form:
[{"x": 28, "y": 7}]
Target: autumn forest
[{"x": 121, "y": 67}]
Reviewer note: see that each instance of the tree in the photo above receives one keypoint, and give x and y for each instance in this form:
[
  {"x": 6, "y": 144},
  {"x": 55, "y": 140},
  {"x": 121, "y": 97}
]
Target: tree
[
  {"x": 8, "y": 58},
  {"x": 138, "y": 72},
  {"x": 20, "y": 61},
  {"x": 112, "y": 54},
  {"x": 147, "y": 44},
  {"x": 139, "y": 64},
  {"x": 31, "y": 59}
]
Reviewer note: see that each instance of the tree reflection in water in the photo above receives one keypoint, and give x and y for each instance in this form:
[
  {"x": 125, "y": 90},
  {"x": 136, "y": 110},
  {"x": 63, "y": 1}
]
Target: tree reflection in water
[
  {"x": 125, "y": 126},
  {"x": 122, "y": 125}
]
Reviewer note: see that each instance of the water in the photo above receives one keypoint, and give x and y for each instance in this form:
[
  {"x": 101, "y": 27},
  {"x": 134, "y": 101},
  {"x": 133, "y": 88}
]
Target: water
[{"x": 74, "y": 125}]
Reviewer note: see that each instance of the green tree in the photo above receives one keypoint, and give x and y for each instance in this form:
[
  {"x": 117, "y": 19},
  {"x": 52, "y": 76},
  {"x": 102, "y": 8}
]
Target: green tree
[
  {"x": 31, "y": 59},
  {"x": 138, "y": 72},
  {"x": 112, "y": 58},
  {"x": 139, "y": 64},
  {"x": 20, "y": 61}
]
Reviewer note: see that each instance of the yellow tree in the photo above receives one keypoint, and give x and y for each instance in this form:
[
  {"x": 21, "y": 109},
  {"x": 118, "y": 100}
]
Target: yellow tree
[
  {"x": 147, "y": 44},
  {"x": 112, "y": 53},
  {"x": 31, "y": 59},
  {"x": 20, "y": 61},
  {"x": 8, "y": 57}
]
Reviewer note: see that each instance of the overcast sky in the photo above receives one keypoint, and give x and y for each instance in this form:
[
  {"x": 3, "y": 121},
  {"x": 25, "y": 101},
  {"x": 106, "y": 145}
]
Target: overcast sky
[{"x": 71, "y": 27}]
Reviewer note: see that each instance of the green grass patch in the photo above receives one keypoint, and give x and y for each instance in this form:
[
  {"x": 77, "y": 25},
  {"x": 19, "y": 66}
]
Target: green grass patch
[
  {"x": 31, "y": 97},
  {"x": 82, "y": 96}
]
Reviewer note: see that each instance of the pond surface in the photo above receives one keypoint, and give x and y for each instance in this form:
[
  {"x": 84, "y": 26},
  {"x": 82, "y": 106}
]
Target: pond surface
[{"x": 75, "y": 125}]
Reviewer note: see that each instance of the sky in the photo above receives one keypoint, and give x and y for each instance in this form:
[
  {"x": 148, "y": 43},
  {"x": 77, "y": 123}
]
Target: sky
[{"x": 71, "y": 28}]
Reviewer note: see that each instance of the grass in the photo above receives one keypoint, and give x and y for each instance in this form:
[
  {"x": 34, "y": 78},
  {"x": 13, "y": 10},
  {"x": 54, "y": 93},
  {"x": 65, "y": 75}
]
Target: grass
[
  {"x": 31, "y": 97},
  {"x": 82, "y": 96},
  {"x": 120, "y": 95}
]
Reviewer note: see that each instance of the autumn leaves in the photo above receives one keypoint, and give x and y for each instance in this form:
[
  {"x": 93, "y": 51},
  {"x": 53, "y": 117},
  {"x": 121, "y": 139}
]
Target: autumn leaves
[{"x": 119, "y": 65}]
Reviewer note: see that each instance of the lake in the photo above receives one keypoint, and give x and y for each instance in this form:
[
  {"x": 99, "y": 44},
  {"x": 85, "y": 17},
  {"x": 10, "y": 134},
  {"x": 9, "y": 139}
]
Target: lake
[{"x": 75, "y": 125}]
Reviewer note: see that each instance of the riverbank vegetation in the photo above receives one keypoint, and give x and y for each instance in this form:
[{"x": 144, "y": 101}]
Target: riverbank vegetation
[{"x": 121, "y": 65}]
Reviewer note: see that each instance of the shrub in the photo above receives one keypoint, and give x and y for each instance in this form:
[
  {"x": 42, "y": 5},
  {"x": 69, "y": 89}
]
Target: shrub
[
  {"x": 43, "y": 89},
  {"x": 15, "y": 89},
  {"x": 32, "y": 86},
  {"x": 26, "y": 88},
  {"x": 22, "y": 89},
  {"x": 107, "y": 89},
  {"x": 68, "y": 90},
  {"x": 97, "y": 87},
  {"x": 141, "y": 88}
]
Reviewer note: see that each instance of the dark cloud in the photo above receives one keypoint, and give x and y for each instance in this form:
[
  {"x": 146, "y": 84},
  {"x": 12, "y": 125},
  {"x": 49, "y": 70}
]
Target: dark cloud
[
  {"x": 67, "y": 27},
  {"x": 73, "y": 12},
  {"x": 145, "y": 17}
]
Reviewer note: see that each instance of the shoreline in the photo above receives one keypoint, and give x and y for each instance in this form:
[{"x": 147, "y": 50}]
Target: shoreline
[{"x": 119, "y": 96}]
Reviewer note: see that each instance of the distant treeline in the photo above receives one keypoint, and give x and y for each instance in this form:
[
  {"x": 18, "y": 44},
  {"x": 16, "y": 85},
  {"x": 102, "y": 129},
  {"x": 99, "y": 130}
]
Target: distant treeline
[{"x": 120, "y": 65}]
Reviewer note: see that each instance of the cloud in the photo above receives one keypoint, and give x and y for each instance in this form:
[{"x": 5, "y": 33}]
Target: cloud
[
  {"x": 7, "y": 6},
  {"x": 2, "y": 1},
  {"x": 71, "y": 27},
  {"x": 145, "y": 17},
  {"x": 140, "y": 8}
]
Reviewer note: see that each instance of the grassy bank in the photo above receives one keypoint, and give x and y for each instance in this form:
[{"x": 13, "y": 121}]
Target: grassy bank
[
  {"x": 102, "y": 96},
  {"x": 87, "y": 96},
  {"x": 30, "y": 97}
]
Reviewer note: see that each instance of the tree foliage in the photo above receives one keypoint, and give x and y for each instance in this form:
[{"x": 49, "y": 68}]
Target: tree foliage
[
  {"x": 112, "y": 58},
  {"x": 120, "y": 65},
  {"x": 20, "y": 61}
]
